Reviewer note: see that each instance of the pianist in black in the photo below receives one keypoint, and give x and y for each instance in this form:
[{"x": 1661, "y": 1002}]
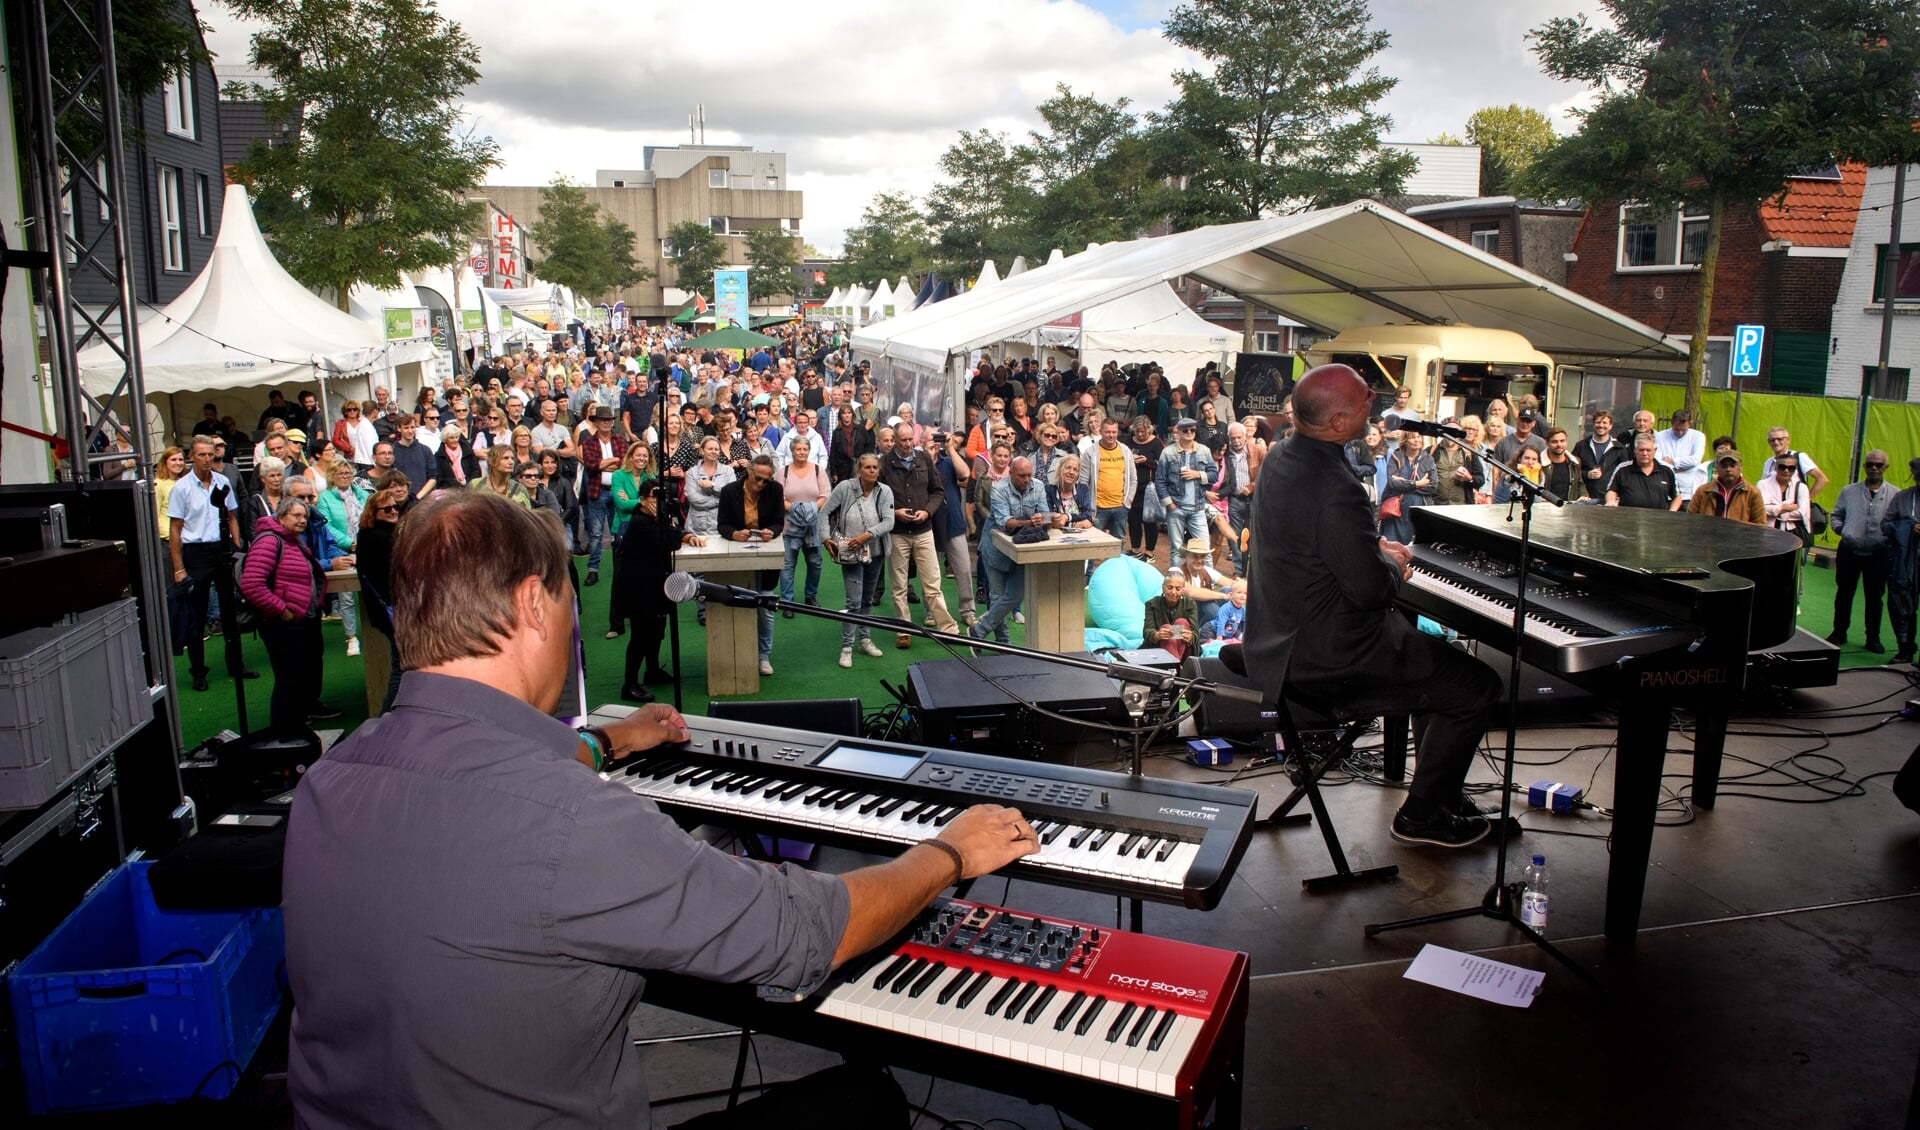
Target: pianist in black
[
  {"x": 1320, "y": 610},
  {"x": 469, "y": 906}
]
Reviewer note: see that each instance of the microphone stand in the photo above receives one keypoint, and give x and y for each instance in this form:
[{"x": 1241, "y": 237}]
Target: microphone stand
[{"x": 1498, "y": 903}]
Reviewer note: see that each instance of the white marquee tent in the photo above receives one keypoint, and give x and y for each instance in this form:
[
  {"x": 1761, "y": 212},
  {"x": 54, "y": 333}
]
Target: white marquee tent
[
  {"x": 1147, "y": 325},
  {"x": 1334, "y": 268},
  {"x": 244, "y": 322}
]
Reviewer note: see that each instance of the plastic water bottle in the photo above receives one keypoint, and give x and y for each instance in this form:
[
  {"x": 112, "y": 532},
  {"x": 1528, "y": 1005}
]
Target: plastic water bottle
[{"x": 1533, "y": 896}]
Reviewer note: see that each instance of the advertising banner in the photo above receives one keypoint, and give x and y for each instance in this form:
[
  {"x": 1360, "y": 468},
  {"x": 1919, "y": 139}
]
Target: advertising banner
[
  {"x": 405, "y": 323},
  {"x": 730, "y": 299}
]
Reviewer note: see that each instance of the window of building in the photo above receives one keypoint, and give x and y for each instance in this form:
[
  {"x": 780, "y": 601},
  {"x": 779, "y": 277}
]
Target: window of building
[
  {"x": 666, "y": 249},
  {"x": 173, "y": 244},
  {"x": 716, "y": 178},
  {"x": 1893, "y": 388},
  {"x": 1906, "y": 273},
  {"x": 1487, "y": 240},
  {"x": 202, "y": 204},
  {"x": 718, "y": 224},
  {"x": 103, "y": 192},
  {"x": 69, "y": 222},
  {"x": 773, "y": 182},
  {"x": 1652, "y": 238},
  {"x": 1266, "y": 341},
  {"x": 177, "y": 95}
]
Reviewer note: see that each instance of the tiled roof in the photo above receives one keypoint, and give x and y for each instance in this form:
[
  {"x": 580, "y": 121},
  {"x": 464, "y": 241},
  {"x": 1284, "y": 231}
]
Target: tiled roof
[{"x": 1817, "y": 213}]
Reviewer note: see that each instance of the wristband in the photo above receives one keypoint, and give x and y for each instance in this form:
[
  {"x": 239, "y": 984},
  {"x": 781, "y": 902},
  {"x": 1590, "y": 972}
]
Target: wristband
[
  {"x": 594, "y": 740},
  {"x": 959, "y": 865}
]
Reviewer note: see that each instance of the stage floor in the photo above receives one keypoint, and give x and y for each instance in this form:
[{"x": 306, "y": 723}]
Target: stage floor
[{"x": 1774, "y": 983}]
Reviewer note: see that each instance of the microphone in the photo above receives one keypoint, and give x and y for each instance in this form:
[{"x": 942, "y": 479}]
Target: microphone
[
  {"x": 682, "y": 587},
  {"x": 1394, "y": 422}
]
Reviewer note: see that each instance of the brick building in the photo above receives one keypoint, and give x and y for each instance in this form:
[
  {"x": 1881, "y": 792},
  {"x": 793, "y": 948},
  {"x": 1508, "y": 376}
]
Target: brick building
[
  {"x": 1531, "y": 235},
  {"x": 1780, "y": 267}
]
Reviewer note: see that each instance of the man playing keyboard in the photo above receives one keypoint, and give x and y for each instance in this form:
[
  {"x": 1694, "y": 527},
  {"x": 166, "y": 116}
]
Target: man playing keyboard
[
  {"x": 1320, "y": 610},
  {"x": 469, "y": 905}
]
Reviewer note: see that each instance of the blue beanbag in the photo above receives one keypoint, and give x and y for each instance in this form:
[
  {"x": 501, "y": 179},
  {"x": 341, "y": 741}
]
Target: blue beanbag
[
  {"x": 1117, "y": 595},
  {"x": 1100, "y": 639}
]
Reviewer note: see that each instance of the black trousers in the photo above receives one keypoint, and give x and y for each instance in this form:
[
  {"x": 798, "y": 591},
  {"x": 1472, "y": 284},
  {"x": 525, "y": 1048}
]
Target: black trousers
[
  {"x": 294, "y": 648},
  {"x": 207, "y": 573},
  {"x": 1449, "y": 709},
  {"x": 643, "y": 646},
  {"x": 1849, "y": 570}
]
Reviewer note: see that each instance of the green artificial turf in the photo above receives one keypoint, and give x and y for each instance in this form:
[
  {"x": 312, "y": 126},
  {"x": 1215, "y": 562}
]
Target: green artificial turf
[{"x": 805, "y": 655}]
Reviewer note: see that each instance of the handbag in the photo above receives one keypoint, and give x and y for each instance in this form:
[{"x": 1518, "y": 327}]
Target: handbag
[
  {"x": 1152, "y": 511},
  {"x": 1391, "y": 508},
  {"x": 1818, "y": 522},
  {"x": 245, "y": 616}
]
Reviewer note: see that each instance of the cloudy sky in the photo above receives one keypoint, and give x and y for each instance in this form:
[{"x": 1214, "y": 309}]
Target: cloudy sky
[{"x": 863, "y": 98}]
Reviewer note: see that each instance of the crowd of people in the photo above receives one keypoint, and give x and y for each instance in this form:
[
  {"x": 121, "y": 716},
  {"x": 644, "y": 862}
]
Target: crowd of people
[{"x": 798, "y": 444}]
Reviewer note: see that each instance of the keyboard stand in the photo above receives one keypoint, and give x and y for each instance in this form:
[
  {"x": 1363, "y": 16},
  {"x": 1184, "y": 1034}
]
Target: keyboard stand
[{"x": 1307, "y": 787}]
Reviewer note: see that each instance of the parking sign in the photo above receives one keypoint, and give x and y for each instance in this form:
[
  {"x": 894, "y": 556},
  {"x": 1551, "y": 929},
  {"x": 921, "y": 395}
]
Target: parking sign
[{"x": 1746, "y": 350}]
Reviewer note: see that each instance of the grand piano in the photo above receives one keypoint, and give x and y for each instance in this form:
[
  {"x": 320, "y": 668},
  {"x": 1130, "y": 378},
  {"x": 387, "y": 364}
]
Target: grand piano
[{"x": 1647, "y": 609}]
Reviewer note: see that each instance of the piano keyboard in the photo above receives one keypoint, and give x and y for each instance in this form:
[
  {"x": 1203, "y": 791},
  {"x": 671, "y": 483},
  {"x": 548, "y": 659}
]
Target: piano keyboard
[
  {"x": 1143, "y": 837},
  {"x": 1118, "y": 1009},
  {"x": 1571, "y": 631}
]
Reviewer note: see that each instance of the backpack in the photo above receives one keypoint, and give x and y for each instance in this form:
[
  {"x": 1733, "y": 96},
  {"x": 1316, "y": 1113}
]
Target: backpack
[{"x": 244, "y": 616}]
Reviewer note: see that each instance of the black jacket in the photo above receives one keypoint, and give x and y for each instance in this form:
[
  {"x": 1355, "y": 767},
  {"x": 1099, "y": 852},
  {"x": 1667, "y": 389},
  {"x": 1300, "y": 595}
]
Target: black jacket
[
  {"x": 443, "y": 468},
  {"x": 1320, "y": 604},
  {"x": 732, "y": 514},
  {"x": 914, "y": 488}
]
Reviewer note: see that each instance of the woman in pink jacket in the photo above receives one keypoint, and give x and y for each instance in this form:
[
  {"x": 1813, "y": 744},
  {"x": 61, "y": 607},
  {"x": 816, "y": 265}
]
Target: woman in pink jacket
[{"x": 284, "y": 583}]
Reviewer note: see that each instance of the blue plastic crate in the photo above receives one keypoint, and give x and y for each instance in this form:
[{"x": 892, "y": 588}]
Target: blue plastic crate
[{"x": 126, "y": 1004}]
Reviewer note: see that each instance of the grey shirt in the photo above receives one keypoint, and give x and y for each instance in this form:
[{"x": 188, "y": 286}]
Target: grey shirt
[{"x": 469, "y": 909}]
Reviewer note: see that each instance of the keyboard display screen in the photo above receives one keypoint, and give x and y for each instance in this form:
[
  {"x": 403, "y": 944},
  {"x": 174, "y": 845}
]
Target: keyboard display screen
[{"x": 871, "y": 762}]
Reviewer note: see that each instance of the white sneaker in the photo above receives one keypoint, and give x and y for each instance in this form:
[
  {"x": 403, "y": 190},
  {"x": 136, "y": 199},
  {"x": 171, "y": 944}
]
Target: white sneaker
[
  {"x": 766, "y": 667},
  {"x": 1019, "y": 617},
  {"x": 846, "y": 657},
  {"x": 868, "y": 647},
  {"x": 353, "y": 645}
]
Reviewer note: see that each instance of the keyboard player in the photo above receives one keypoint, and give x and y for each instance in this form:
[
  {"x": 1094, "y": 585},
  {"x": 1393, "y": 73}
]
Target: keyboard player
[
  {"x": 469, "y": 905},
  {"x": 1321, "y": 609}
]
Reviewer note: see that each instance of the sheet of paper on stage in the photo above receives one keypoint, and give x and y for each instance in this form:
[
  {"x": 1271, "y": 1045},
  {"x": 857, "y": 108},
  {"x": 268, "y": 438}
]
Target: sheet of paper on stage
[{"x": 1480, "y": 977}]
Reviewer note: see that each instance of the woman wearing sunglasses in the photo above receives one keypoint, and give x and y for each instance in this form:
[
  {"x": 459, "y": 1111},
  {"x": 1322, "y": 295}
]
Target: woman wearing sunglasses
[{"x": 373, "y": 556}]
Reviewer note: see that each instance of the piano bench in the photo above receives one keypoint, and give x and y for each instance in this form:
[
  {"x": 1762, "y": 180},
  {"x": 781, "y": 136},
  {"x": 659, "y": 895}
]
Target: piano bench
[{"x": 1308, "y": 765}]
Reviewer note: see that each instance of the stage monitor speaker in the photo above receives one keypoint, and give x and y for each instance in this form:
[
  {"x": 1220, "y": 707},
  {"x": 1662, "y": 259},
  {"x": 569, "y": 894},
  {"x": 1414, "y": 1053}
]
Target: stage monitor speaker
[
  {"x": 1906, "y": 783},
  {"x": 1220, "y": 717},
  {"x": 957, "y": 705},
  {"x": 840, "y": 716}
]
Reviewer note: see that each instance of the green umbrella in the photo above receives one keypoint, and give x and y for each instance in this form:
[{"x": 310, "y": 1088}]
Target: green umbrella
[
  {"x": 733, "y": 337},
  {"x": 773, "y": 320}
]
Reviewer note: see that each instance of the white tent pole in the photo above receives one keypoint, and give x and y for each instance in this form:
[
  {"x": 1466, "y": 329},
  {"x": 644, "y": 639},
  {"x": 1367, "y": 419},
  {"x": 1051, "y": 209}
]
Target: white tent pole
[{"x": 326, "y": 421}]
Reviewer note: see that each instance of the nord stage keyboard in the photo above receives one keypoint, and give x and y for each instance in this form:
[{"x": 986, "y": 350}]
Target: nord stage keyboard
[
  {"x": 1139, "y": 837},
  {"x": 1062, "y": 1012}
]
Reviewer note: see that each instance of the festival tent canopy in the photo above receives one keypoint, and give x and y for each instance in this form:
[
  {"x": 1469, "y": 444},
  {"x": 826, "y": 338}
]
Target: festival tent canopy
[
  {"x": 989, "y": 275},
  {"x": 733, "y": 337},
  {"x": 879, "y": 300},
  {"x": 1147, "y": 325},
  {"x": 1332, "y": 268},
  {"x": 245, "y": 322}
]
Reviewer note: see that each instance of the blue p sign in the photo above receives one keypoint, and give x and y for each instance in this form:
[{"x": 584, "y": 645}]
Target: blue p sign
[{"x": 1746, "y": 350}]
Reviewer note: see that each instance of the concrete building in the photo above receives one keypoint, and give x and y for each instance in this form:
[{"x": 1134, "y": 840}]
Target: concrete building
[
  {"x": 1854, "y": 349},
  {"x": 732, "y": 189}
]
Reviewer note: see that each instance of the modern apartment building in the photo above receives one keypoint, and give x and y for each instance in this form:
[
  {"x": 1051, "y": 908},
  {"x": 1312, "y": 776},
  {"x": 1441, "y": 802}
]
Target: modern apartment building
[{"x": 732, "y": 189}]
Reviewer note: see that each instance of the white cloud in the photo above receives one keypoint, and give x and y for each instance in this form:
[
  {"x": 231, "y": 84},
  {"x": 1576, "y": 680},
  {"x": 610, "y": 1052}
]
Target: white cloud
[{"x": 865, "y": 98}]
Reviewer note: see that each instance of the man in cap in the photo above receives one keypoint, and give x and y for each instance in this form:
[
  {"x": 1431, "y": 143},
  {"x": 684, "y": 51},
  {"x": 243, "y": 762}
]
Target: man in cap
[
  {"x": 601, "y": 453},
  {"x": 1523, "y": 435},
  {"x": 1729, "y": 495},
  {"x": 1182, "y": 477}
]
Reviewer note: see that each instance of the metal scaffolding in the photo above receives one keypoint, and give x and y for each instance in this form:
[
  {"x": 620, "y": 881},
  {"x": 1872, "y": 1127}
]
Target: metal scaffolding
[{"x": 73, "y": 128}]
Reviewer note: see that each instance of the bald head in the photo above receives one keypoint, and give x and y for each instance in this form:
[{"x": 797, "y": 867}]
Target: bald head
[{"x": 1330, "y": 403}]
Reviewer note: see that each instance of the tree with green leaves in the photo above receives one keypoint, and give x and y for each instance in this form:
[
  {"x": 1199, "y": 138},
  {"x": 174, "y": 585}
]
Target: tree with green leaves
[
  {"x": 773, "y": 255},
  {"x": 697, "y": 254},
  {"x": 376, "y": 182},
  {"x": 1510, "y": 138},
  {"x": 1715, "y": 105},
  {"x": 581, "y": 246},
  {"x": 980, "y": 208},
  {"x": 1286, "y": 118},
  {"x": 892, "y": 239}
]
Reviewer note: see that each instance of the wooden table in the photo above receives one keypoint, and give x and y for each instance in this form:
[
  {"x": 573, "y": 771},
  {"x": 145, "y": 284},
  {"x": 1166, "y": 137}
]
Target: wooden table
[
  {"x": 376, "y": 657},
  {"x": 733, "y": 634},
  {"x": 1056, "y": 592}
]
